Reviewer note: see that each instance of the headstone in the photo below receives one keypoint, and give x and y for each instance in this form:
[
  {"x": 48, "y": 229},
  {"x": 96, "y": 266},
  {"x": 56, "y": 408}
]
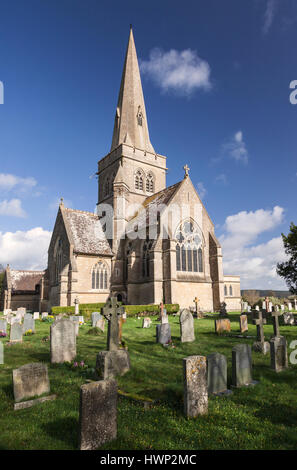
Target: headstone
[
  {"x": 245, "y": 306},
  {"x": 260, "y": 345},
  {"x": 163, "y": 333},
  {"x": 36, "y": 315},
  {"x": 101, "y": 324},
  {"x": 16, "y": 333},
  {"x": 196, "y": 302},
  {"x": 295, "y": 305},
  {"x": 97, "y": 414},
  {"x": 29, "y": 323},
  {"x": 195, "y": 386},
  {"x": 15, "y": 319},
  {"x": 110, "y": 364},
  {"x": 222, "y": 325},
  {"x": 146, "y": 322},
  {"x": 63, "y": 341},
  {"x": 288, "y": 319},
  {"x": 164, "y": 319},
  {"x": 282, "y": 307},
  {"x": 186, "y": 322},
  {"x": 76, "y": 306},
  {"x": 44, "y": 315},
  {"x": 6, "y": 311},
  {"x": 223, "y": 312},
  {"x": 30, "y": 380},
  {"x": 1, "y": 353},
  {"x": 270, "y": 307},
  {"x": 257, "y": 308},
  {"x": 95, "y": 317},
  {"x": 276, "y": 308},
  {"x": 217, "y": 374},
  {"x": 3, "y": 326},
  {"x": 249, "y": 308},
  {"x": 242, "y": 365},
  {"x": 21, "y": 311},
  {"x": 243, "y": 323},
  {"x": 278, "y": 347},
  {"x": 111, "y": 311},
  {"x": 289, "y": 306}
]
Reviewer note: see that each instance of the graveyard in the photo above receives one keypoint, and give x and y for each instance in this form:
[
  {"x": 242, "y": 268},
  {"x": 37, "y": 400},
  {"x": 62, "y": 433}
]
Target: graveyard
[{"x": 150, "y": 396}]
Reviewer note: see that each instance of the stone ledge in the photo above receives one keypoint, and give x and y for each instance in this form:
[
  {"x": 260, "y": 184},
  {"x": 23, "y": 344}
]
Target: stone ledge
[{"x": 36, "y": 401}]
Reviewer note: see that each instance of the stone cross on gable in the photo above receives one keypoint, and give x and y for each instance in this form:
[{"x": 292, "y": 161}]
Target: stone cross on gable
[
  {"x": 260, "y": 321},
  {"x": 275, "y": 319},
  {"x": 111, "y": 311},
  {"x": 187, "y": 169}
]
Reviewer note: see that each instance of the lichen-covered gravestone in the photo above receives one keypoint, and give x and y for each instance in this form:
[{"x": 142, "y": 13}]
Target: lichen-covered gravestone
[
  {"x": 222, "y": 325},
  {"x": 36, "y": 315},
  {"x": 217, "y": 374},
  {"x": 16, "y": 333},
  {"x": 63, "y": 341},
  {"x": 146, "y": 322},
  {"x": 195, "y": 386},
  {"x": 278, "y": 347},
  {"x": 243, "y": 323},
  {"x": 95, "y": 317},
  {"x": 97, "y": 414},
  {"x": 29, "y": 323},
  {"x": 242, "y": 366},
  {"x": 29, "y": 381},
  {"x": 186, "y": 321},
  {"x": 163, "y": 333},
  {"x": 260, "y": 345}
]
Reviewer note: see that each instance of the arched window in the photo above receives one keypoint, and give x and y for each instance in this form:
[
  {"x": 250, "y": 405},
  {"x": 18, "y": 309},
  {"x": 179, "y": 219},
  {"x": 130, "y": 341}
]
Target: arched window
[
  {"x": 138, "y": 180},
  {"x": 106, "y": 187},
  {"x": 225, "y": 290},
  {"x": 58, "y": 260},
  {"x": 128, "y": 252},
  {"x": 189, "y": 248},
  {"x": 230, "y": 290},
  {"x": 146, "y": 257},
  {"x": 149, "y": 183},
  {"x": 100, "y": 276}
]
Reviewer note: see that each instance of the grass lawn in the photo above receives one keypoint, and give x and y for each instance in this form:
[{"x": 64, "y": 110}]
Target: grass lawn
[{"x": 261, "y": 417}]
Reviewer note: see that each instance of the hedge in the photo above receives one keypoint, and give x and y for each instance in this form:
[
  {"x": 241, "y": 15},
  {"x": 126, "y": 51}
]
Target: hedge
[{"x": 131, "y": 310}]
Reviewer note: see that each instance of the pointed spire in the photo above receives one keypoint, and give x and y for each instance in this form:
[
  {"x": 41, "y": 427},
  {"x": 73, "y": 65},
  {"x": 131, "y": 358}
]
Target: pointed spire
[{"x": 130, "y": 125}]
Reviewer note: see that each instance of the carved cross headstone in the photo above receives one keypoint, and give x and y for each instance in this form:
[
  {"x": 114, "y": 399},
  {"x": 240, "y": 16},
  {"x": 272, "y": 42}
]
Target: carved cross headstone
[
  {"x": 275, "y": 319},
  {"x": 196, "y": 300},
  {"x": 111, "y": 311},
  {"x": 260, "y": 321}
]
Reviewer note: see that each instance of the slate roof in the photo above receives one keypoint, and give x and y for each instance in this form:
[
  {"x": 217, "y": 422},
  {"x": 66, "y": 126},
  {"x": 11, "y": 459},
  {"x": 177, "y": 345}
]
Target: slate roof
[
  {"x": 25, "y": 280},
  {"x": 87, "y": 233}
]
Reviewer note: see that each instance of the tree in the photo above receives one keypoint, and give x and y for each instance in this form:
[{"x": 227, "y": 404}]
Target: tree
[{"x": 288, "y": 269}]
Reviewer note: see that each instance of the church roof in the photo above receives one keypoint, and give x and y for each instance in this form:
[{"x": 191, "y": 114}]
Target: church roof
[
  {"x": 25, "y": 280},
  {"x": 87, "y": 234},
  {"x": 130, "y": 125}
]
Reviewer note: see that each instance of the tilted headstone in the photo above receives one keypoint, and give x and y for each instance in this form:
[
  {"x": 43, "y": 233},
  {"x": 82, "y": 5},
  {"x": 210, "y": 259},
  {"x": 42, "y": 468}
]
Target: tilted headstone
[
  {"x": 63, "y": 341},
  {"x": 217, "y": 374},
  {"x": 97, "y": 414},
  {"x": 186, "y": 322},
  {"x": 163, "y": 333},
  {"x": 29, "y": 323},
  {"x": 260, "y": 345},
  {"x": 3, "y": 326},
  {"x": 95, "y": 317},
  {"x": 222, "y": 325},
  {"x": 278, "y": 347},
  {"x": 146, "y": 322},
  {"x": 16, "y": 333},
  {"x": 242, "y": 365},
  {"x": 195, "y": 386},
  {"x": 243, "y": 323},
  {"x": 30, "y": 380}
]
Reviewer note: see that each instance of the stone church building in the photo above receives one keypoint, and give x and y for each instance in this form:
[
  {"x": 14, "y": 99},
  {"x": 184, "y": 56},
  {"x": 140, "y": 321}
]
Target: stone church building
[{"x": 147, "y": 242}]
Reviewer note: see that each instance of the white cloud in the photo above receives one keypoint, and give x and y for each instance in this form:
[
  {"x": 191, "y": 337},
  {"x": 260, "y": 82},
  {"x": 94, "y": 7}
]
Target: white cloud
[
  {"x": 236, "y": 148},
  {"x": 201, "y": 189},
  {"x": 269, "y": 15},
  {"x": 12, "y": 208},
  {"x": 181, "y": 71},
  {"x": 222, "y": 178},
  {"x": 25, "y": 250},
  {"x": 9, "y": 182},
  {"x": 256, "y": 264}
]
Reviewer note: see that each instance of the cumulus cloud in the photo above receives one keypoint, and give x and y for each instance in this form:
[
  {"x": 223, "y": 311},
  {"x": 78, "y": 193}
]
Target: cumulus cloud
[
  {"x": 255, "y": 263},
  {"x": 201, "y": 190},
  {"x": 236, "y": 148},
  {"x": 180, "y": 71},
  {"x": 9, "y": 182},
  {"x": 269, "y": 15},
  {"x": 25, "y": 249},
  {"x": 222, "y": 178},
  {"x": 12, "y": 208}
]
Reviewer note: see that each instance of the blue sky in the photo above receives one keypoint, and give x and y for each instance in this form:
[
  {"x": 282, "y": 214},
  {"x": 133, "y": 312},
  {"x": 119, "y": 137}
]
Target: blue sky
[{"x": 216, "y": 77}]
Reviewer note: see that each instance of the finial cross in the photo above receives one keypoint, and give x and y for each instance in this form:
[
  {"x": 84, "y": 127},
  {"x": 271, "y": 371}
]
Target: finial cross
[{"x": 187, "y": 169}]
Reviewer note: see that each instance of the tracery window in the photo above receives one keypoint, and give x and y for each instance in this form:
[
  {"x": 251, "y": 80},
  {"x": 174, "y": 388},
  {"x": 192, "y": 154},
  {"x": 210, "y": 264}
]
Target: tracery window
[
  {"x": 138, "y": 180},
  {"x": 230, "y": 290},
  {"x": 146, "y": 257},
  {"x": 149, "y": 183},
  {"x": 106, "y": 187},
  {"x": 189, "y": 256},
  {"x": 225, "y": 290},
  {"x": 100, "y": 276},
  {"x": 59, "y": 260}
]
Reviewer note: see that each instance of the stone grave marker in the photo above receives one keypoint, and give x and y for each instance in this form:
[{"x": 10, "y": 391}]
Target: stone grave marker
[
  {"x": 146, "y": 322},
  {"x": 29, "y": 381},
  {"x": 3, "y": 326},
  {"x": 63, "y": 341},
  {"x": 243, "y": 323},
  {"x": 101, "y": 324},
  {"x": 282, "y": 307},
  {"x": 278, "y": 347},
  {"x": 260, "y": 345},
  {"x": 36, "y": 315},
  {"x": 288, "y": 319},
  {"x": 76, "y": 306},
  {"x": 29, "y": 323},
  {"x": 289, "y": 306},
  {"x": 186, "y": 322},
  {"x": 223, "y": 312},
  {"x": 222, "y": 325},
  {"x": 95, "y": 317},
  {"x": 44, "y": 315},
  {"x": 163, "y": 333},
  {"x": 97, "y": 414},
  {"x": 217, "y": 374},
  {"x": 242, "y": 366},
  {"x": 6, "y": 311},
  {"x": 16, "y": 333},
  {"x": 21, "y": 311},
  {"x": 195, "y": 386}
]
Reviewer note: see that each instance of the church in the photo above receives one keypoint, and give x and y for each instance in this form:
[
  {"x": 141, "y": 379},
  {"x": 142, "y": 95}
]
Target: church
[{"x": 147, "y": 243}]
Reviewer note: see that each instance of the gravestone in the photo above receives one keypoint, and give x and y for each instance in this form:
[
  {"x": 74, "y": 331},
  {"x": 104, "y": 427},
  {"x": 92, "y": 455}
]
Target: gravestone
[
  {"x": 257, "y": 308},
  {"x": 217, "y": 374},
  {"x": 243, "y": 323},
  {"x": 44, "y": 315},
  {"x": 111, "y": 311},
  {"x": 186, "y": 322},
  {"x": 282, "y": 307},
  {"x": 146, "y": 322},
  {"x": 95, "y": 317},
  {"x": 29, "y": 323},
  {"x": 100, "y": 324},
  {"x": 164, "y": 319},
  {"x": 195, "y": 386},
  {"x": 97, "y": 414},
  {"x": 289, "y": 306},
  {"x": 76, "y": 306},
  {"x": 6, "y": 311},
  {"x": 295, "y": 305},
  {"x": 260, "y": 345},
  {"x": 223, "y": 312},
  {"x": 278, "y": 347},
  {"x": 110, "y": 364},
  {"x": 29, "y": 381},
  {"x": 15, "y": 319},
  {"x": 36, "y": 315},
  {"x": 222, "y": 325},
  {"x": 16, "y": 333},
  {"x": 21, "y": 311},
  {"x": 3, "y": 326},
  {"x": 163, "y": 333},
  {"x": 288, "y": 319},
  {"x": 1, "y": 353},
  {"x": 63, "y": 341},
  {"x": 242, "y": 366}
]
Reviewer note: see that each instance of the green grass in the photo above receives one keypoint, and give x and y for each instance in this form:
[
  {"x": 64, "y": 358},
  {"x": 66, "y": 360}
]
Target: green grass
[{"x": 261, "y": 417}]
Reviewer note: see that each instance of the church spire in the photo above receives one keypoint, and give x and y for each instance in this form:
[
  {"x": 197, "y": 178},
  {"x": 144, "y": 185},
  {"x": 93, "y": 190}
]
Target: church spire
[{"x": 130, "y": 125}]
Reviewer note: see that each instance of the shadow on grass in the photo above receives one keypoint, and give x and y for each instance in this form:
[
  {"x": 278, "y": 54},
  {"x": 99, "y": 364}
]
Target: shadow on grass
[{"x": 64, "y": 429}]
